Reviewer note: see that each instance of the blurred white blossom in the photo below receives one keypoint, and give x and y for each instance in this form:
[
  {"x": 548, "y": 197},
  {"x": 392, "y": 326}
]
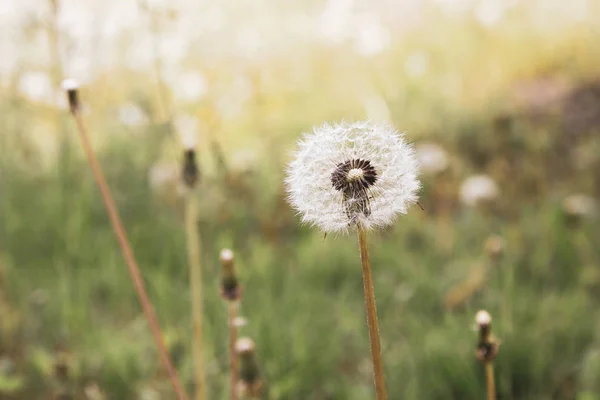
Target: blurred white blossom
[
  {"x": 478, "y": 189},
  {"x": 189, "y": 86},
  {"x": 416, "y": 64},
  {"x": 37, "y": 86},
  {"x": 131, "y": 115},
  {"x": 432, "y": 158},
  {"x": 580, "y": 205},
  {"x": 187, "y": 128}
]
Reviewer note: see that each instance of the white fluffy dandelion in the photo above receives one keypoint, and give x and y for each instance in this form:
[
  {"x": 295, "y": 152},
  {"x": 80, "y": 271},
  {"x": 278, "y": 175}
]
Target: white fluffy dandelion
[
  {"x": 359, "y": 176},
  {"x": 352, "y": 174}
]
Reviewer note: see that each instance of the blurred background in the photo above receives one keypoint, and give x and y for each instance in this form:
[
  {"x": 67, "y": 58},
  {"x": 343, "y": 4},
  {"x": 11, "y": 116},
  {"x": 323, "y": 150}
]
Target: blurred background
[{"x": 500, "y": 98}]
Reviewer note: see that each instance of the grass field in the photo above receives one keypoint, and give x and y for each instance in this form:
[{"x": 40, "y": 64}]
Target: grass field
[{"x": 518, "y": 101}]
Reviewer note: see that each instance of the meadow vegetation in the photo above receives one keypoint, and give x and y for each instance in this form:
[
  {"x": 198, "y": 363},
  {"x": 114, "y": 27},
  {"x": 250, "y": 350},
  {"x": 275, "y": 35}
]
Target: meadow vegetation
[{"x": 518, "y": 102}]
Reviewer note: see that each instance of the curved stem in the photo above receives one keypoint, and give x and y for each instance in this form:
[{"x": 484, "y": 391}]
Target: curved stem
[
  {"x": 489, "y": 377},
  {"x": 134, "y": 269},
  {"x": 372, "y": 320},
  {"x": 193, "y": 248}
]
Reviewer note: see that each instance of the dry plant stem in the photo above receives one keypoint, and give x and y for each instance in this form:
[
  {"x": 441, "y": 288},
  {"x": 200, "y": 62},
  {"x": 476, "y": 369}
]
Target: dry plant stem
[
  {"x": 489, "y": 377},
  {"x": 134, "y": 269},
  {"x": 233, "y": 365},
  {"x": 193, "y": 248},
  {"x": 372, "y": 320}
]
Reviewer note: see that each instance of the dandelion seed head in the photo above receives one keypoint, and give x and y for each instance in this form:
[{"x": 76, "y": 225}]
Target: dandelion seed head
[
  {"x": 352, "y": 173},
  {"x": 226, "y": 255},
  {"x": 69, "y": 84},
  {"x": 432, "y": 158},
  {"x": 244, "y": 345},
  {"x": 478, "y": 189},
  {"x": 186, "y": 126},
  {"x": 483, "y": 318}
]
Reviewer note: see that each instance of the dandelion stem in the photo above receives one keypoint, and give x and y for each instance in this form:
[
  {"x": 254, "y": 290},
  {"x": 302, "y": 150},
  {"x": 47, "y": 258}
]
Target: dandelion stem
[
  {"x": 233, "y": 362},
  {"x": 134, "y": 270},
  {"x": 193, "y": 248},
  {"x": 372, "y": 321},
  {"x": 489, "y": 375}
]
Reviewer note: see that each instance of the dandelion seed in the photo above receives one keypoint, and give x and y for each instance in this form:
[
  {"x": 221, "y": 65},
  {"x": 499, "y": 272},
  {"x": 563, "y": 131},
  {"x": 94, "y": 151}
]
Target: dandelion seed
[{"x": 349, "y": 174}]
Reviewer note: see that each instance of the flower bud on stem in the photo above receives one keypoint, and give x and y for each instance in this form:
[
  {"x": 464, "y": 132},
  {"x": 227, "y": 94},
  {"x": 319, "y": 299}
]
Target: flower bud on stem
[
  {"x": 231, "y": 293},
  {"x": 71, "y": 88},
  {"x": 487, "y": 350},
  {"x": 250, "y": 385}
]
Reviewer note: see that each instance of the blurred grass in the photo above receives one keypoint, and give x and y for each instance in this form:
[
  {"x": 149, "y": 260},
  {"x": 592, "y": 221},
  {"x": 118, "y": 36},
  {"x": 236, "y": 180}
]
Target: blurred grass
[{"x": 516, "y": 102}]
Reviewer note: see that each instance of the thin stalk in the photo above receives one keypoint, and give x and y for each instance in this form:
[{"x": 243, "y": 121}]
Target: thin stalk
[
  {"x": 233, "y": 362},
  {"x": 372, "y": 321},
  {"x": 193, "y": 249},
  {"x": 489, "y": 377},
  {"x": 134, "y": 270}
]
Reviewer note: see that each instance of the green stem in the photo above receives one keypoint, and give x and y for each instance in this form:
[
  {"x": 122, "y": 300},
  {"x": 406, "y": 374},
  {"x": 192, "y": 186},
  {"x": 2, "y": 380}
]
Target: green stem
[{"x": 193, "y": 248}]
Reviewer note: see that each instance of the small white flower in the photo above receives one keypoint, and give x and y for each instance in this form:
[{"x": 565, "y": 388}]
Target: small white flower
[
  {"x": 161, "y": 175},
  {"x": 240, "y": 321},
  {"x": 69, "y": 84},
  {"x": 432, "y": 158},
  {"x": 580, "y": 205},
  {"x": 483, "y": 318},
  {"x": 186, "y": 126},
  {"x": 348, "y": 174},
  {"x": 478, "y": 189},
  {"x": 131, "y": 115},
  {"x": 244, "y": 345},
  {"x": 37, "y": 86}
]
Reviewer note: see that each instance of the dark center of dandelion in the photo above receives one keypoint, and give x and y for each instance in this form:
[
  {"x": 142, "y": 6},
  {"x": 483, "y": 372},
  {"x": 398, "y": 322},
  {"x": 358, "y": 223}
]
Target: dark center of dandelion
[
  {"x": 353, "y": 175},
  {"x": 353, "y": 178}
]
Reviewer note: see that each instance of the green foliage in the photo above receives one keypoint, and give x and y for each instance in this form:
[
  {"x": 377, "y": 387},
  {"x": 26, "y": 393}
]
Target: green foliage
[{"x": 64, "y": 285}]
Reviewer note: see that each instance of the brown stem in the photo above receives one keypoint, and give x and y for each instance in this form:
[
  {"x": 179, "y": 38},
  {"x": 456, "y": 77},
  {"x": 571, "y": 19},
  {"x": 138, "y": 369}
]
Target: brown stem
[
  {"x": 489, "y": 377},
  {"x": 233, "y": 364},
  {"x": 372, "y": 321},
  {"x": 193, "y": 248},
  {"x": 134, "y": 270}
]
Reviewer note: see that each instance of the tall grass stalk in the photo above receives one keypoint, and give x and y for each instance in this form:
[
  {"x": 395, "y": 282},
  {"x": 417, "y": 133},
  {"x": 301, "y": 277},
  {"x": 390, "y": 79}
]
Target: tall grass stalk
[
  {"x": 372, "y": 321},
  {"x": 231, "y": 293},
  {"x": 233, "y": 364},
  {"x": 121, "y": 236},
  {"x": 193, "y": 250}
]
